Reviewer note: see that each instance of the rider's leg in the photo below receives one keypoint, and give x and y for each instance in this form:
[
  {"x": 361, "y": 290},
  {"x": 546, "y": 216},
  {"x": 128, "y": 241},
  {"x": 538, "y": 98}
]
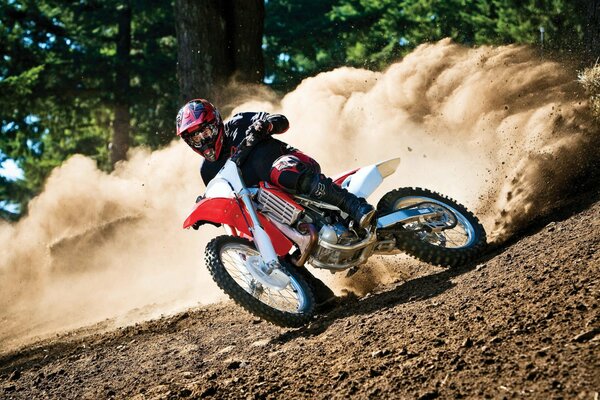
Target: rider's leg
[
  {"x": 320, "y": 187},
  {"x": 299, "y": 173},
  {"x": 287, "y": 170}
]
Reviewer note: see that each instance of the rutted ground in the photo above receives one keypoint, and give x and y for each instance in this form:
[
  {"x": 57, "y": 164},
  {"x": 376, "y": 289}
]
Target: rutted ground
[{"x": 522, "y": 323}]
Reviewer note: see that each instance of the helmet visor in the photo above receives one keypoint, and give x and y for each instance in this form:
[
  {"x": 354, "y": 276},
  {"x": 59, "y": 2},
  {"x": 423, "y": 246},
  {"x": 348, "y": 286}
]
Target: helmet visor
[{"x": 205, "y": 134}]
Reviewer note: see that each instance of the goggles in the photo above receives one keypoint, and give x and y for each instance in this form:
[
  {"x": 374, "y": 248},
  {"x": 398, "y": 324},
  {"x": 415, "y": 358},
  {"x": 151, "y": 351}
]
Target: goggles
[{"x": 204, "y": 134}]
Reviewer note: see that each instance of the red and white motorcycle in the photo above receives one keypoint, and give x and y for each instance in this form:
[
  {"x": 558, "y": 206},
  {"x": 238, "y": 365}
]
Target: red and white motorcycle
[{"x": 271, "y": 235}]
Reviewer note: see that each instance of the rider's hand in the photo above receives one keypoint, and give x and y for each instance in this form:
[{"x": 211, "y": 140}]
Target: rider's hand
[
  {"x": 262, "y": 127},
  {"x": 258, "y": 131}
]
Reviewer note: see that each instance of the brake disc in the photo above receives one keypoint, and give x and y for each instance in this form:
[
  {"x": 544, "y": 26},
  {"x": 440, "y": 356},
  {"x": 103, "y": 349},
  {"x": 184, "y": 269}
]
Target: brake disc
[{"x": 447, "y": 220}]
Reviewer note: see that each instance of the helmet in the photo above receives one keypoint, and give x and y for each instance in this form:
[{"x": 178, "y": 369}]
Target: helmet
[{"x": 200, "y": 125}]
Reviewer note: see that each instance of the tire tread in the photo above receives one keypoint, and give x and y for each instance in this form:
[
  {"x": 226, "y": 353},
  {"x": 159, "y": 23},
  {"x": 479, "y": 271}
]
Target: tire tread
[
  {"x": 245, "y": 299},
  {"x": 440, "y": 256}
]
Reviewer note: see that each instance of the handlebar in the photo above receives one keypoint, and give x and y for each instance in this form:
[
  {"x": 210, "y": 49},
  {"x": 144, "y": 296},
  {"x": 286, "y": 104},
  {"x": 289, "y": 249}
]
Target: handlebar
[{"x": 241, "y": 154}]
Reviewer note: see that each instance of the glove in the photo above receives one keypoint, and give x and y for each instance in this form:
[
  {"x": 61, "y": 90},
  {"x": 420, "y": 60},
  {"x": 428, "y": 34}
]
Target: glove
[{"x": 258, "y": 131}]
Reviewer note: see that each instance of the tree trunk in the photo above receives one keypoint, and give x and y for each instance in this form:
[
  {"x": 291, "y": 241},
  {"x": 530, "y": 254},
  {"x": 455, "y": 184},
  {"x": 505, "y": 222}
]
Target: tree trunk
[
  {"x": 245, "y": 33},
  {"x": 218, "y": 40},
  {"x": 121, "y": 125},
  {"x": 591, "y": 32}
]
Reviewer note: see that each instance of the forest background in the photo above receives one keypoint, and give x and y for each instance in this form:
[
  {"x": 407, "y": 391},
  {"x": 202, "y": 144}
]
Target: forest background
[{"x": 97, "y": 77}]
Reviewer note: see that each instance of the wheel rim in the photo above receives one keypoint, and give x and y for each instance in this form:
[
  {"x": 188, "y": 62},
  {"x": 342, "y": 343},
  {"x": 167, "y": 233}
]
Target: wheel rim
[
  {"x": 235, "y": 258},
  {"x": 461, "y": 235}
]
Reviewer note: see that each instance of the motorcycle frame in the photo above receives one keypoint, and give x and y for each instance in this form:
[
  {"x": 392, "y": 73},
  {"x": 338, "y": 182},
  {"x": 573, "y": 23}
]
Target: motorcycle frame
[{"x": 227, "y": 201}]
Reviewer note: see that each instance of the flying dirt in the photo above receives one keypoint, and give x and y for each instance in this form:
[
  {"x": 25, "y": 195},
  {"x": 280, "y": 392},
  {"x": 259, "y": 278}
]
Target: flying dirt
[{"x": 507, "y": 134}]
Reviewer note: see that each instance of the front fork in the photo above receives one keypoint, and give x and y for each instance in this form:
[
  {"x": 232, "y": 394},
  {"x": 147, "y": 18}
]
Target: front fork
[{"x": 261, "y": 239}]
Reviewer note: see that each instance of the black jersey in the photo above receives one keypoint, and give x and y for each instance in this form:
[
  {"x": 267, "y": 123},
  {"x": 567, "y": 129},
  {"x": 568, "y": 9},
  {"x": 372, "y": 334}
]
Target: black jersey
[{"x": 257, "y": 166}]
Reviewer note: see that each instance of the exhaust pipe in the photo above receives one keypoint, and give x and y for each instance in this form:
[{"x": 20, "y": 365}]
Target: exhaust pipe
[{"x": 305, "y": 237}]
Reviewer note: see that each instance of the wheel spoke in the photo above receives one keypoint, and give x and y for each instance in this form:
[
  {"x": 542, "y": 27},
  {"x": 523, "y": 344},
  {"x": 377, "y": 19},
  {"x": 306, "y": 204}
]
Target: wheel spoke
[
  {"x": 451, "y": 237},
  {"x": 238, "y": 277},
  {"x": 237, "y": 260},
  {"x": 239, "y": 272},
  {"x": 281, "y": 295},
  {"x": 277, "y": 297},
  {"x": 459, "y": 236},
  {"x": 453, "y": 242}
]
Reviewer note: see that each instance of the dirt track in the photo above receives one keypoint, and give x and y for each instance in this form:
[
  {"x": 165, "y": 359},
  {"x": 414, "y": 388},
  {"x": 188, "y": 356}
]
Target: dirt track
[{"x": 522, "y": 323}]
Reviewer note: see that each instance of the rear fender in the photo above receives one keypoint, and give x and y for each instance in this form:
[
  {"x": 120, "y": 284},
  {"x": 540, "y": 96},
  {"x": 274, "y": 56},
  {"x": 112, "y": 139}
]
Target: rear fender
[
  {"x": 363, "y": 181},
  {"x": 339, "y": 179},
  {"x": 227, "y": 212}
]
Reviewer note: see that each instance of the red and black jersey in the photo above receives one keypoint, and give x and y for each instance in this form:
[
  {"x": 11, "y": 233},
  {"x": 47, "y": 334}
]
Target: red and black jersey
[{"x": 258, "y": 164}]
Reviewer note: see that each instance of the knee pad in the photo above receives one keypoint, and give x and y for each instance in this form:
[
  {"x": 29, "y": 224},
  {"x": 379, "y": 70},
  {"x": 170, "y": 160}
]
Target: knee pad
[{"x": 288, "y": 171}]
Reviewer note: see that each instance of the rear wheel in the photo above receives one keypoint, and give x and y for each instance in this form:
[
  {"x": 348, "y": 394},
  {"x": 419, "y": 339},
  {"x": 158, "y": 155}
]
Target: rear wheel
[
  {"x": 452, "y": 238},
  {"x": 230, "y": 260}
]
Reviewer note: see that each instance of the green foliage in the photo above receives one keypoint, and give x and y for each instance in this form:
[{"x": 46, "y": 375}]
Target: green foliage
[
  {"x": 304, "y": 38},
  {"x": 58, "y": 65},
  {"x": 299, "y": 40},
  {"x": 154, "y": 84},
  {"x": 57, "y": 78},
  {"x": 20, "y": 85}
]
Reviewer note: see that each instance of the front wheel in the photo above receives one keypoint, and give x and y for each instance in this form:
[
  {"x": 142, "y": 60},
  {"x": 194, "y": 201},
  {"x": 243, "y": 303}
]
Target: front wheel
[
  {"x": 452, "y": 238},
  {"x": 229, "y": 259}
]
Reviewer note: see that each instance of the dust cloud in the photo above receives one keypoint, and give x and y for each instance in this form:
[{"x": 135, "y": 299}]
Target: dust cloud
[
  {"x": 497, "y": 128},
  {"x": 96, "y": 246}
]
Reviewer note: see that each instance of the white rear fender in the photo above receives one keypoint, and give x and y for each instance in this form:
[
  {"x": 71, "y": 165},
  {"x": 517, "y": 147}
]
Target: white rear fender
[{"x": 365, "y": 180}]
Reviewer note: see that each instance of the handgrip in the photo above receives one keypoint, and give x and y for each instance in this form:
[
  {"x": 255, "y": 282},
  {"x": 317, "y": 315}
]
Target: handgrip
[{"x": 241, "y": 154}]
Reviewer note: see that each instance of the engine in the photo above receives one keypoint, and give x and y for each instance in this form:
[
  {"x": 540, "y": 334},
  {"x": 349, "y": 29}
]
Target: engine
[
  {"x": 338, "y": 248},
  {"x": 335, "y": 247}
]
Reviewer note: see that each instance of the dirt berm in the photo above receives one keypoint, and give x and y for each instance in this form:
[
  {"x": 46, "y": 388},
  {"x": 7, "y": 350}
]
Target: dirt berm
[{"x": 523, "y": 322}]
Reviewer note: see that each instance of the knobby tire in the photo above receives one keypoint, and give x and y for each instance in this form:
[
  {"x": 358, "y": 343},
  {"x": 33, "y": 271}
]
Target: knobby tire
[
  {"x": 410, "y": 243},
  {"x": 245, "y": 299}
]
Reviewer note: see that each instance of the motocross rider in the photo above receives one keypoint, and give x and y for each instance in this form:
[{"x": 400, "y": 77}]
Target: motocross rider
[{"x": 200, "y": 125}]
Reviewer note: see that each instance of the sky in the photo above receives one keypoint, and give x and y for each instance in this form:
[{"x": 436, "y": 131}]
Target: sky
[{"x": 10, "y": 170}]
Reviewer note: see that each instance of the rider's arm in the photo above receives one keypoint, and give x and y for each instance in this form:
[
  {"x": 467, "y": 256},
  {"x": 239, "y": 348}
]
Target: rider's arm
[{"x": 279, "y": 122}]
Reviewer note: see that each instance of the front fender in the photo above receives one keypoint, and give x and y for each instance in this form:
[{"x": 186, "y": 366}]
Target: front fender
[
  {"x": 227, "y": 211},
  {"x": 217, "y": 210}
]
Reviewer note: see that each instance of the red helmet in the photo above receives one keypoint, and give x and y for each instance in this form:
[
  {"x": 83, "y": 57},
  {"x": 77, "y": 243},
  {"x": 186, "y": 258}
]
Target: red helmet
[{"x": 200, "y": 125}]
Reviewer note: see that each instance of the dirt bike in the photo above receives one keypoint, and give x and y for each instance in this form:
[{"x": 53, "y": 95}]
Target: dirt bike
[{"x": 271, "y": 235}]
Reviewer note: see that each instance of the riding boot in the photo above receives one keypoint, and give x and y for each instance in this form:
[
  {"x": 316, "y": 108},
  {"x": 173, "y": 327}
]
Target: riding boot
[{"x": 319, "y": 187}]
